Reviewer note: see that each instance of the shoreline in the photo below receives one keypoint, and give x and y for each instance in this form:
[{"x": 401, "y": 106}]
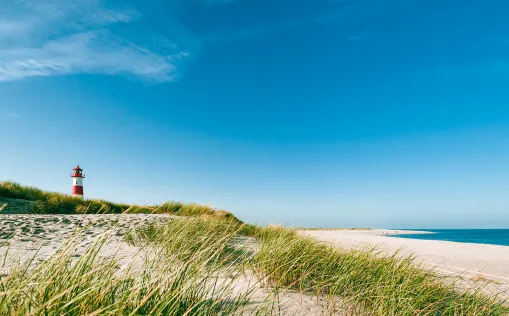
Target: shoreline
[
  {"x": 401, "y": 233},
  {"x": 398, "y": 232},
  {"x": 407, "y": 235}
]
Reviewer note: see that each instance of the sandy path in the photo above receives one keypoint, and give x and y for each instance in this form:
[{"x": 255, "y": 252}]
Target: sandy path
[{"x": 475, "y": 263}]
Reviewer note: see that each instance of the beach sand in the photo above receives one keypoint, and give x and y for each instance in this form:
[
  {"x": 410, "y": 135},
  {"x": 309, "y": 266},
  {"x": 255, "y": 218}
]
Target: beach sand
[
  {"x": 27, "y": 236},
  {"x": 474, "y": 265}
]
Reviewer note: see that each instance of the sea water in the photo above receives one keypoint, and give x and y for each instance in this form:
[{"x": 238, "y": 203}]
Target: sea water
[{"x": 479, "y": 236}]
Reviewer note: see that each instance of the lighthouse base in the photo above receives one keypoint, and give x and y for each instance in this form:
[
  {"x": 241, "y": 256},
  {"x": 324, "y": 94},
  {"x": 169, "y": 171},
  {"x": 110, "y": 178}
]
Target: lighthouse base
[{"x": 77, "y": 190}]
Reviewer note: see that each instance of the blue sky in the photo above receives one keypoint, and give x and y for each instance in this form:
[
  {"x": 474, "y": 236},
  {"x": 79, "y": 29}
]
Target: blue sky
[{"x": 327, "y": 113}]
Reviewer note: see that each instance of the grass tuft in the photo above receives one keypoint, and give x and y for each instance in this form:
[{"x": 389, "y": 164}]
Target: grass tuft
[
  {"x": 187, "y": 279},
  {"x": 367, "y": 280}
]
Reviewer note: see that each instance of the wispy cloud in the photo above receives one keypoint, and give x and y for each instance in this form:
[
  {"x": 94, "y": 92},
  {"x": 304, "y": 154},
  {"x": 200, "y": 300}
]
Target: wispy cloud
[{"x": 57, "y": 37}]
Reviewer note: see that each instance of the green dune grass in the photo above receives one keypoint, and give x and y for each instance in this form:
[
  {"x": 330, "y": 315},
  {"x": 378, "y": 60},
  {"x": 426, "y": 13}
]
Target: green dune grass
[
  {"x": 58, "y": 203},
  {"x": 364, "y": 281},
  {"x": 183, "y": 280}
]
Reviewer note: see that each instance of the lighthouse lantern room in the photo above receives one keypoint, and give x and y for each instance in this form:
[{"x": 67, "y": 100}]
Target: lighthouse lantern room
[{"x": 77, "y": 182}]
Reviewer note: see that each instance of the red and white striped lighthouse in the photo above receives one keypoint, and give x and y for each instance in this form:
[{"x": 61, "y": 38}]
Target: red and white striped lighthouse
[{"x": 77, "y": 182}]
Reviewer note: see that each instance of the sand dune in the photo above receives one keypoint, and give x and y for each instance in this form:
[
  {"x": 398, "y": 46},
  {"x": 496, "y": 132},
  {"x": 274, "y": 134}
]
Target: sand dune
[{"x": 24, "y": 236}]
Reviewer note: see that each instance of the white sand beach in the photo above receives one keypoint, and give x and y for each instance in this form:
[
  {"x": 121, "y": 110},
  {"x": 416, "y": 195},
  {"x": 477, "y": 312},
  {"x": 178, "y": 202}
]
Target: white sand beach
[{"x": 476, "y": 264}]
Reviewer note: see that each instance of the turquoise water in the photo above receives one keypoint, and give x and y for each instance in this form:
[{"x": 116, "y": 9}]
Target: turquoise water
[{"x": 479, "y": 236}]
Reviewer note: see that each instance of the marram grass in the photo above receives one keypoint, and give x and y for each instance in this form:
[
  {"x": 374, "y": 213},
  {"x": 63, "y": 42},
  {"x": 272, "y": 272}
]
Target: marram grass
[
  {"x": 195, "y": 277},
  {"x": 58, "y": 203},
  {"x": 363, "y": 281},
  {"x": 369, "y": 282},
  {"x": 216, "y": 241}
]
